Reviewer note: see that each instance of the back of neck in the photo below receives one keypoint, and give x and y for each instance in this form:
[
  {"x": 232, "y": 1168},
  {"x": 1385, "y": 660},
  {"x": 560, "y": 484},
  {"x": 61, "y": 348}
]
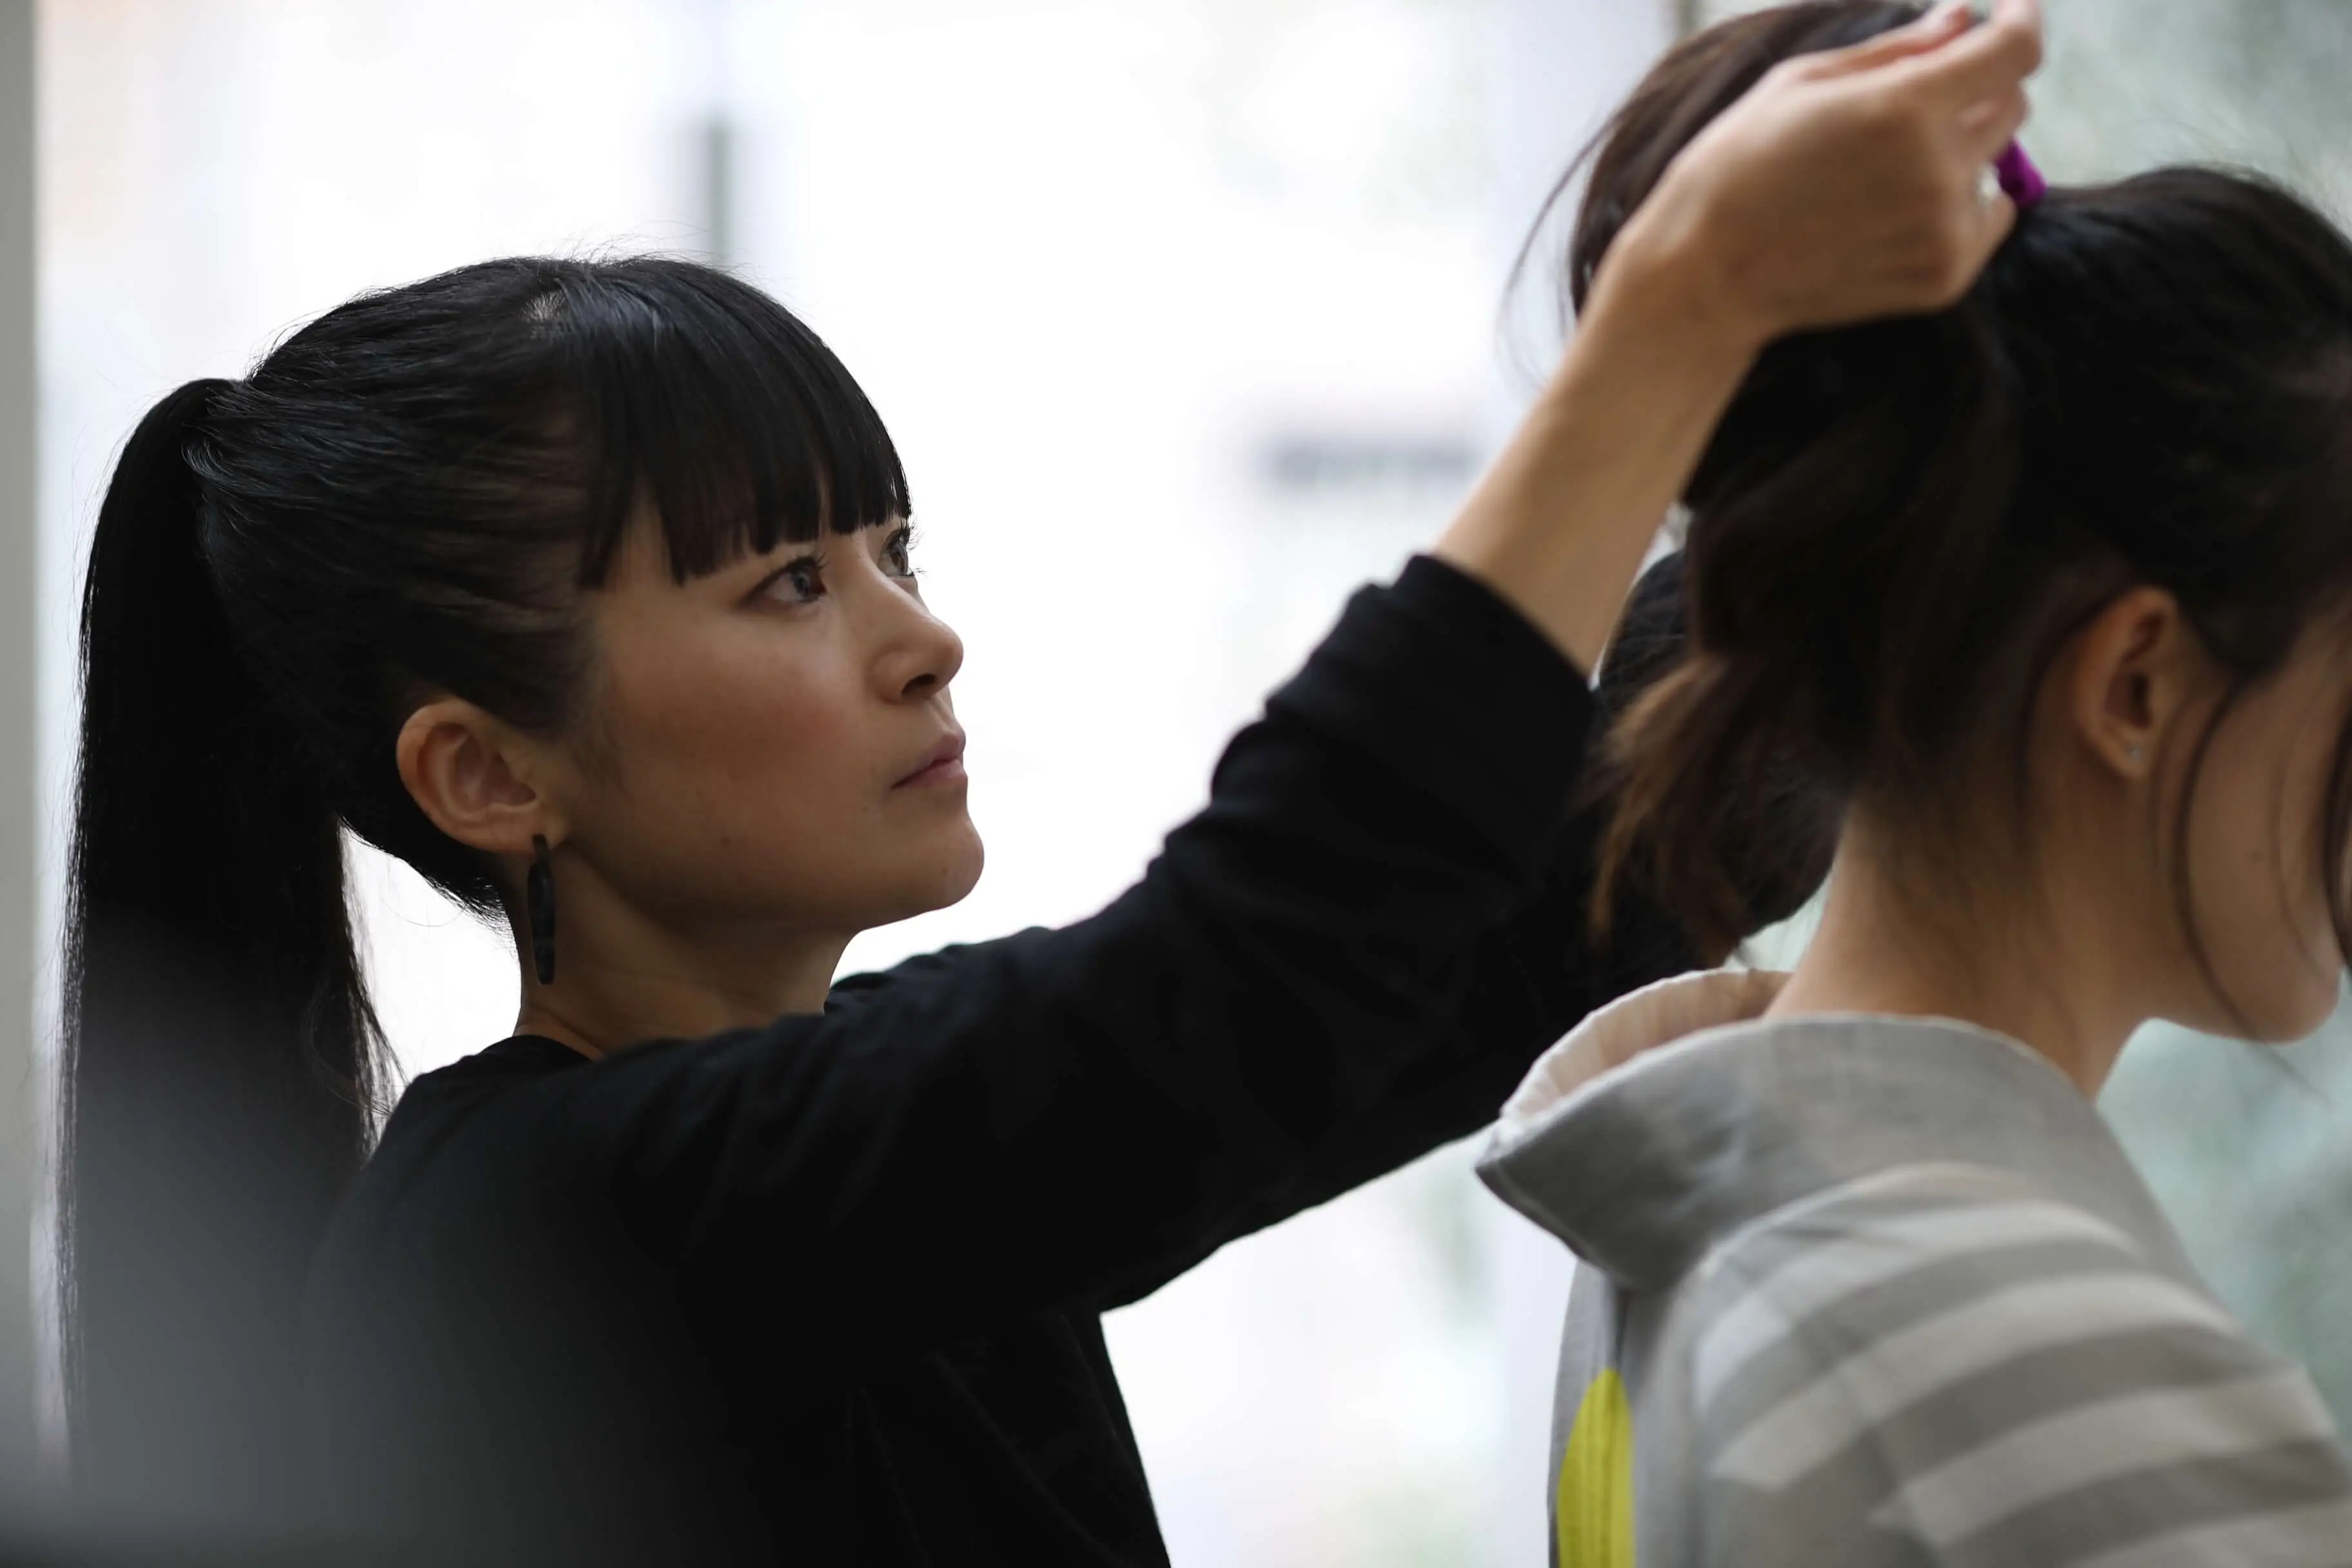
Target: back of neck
[{"x": 1885, "y": 947}]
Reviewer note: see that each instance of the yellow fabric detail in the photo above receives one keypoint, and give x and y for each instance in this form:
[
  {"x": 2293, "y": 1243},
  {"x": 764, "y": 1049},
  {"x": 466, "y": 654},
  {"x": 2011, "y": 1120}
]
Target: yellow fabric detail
[{"x": 1594, "y": 1514}]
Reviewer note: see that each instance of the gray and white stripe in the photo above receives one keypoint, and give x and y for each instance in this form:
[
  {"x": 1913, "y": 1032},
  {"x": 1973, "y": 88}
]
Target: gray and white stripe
[{"x": 1964, "y": 1364}]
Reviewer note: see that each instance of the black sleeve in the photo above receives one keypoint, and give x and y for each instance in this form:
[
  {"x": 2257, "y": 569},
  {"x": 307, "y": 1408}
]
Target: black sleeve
[
  {"x": 1062, "y": 1119},
  {"x": 1533, "y": 978}
]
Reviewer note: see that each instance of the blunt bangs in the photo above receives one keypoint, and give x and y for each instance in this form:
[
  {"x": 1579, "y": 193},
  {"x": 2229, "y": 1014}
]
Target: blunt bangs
[{"x": 699, "y": 394}]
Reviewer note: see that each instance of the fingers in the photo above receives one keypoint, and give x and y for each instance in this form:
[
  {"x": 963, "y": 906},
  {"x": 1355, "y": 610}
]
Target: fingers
[
  {"x": 1992, "y": 224},
  {"x": 1986, "y": 62},
  {"x": 1986, "y": 129},
  {"x": 2018, "y": 12},
  {"x": 1931, "y": 32}
]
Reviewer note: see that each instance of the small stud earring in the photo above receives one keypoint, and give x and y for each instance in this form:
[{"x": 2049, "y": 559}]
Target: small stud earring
[{"x": 538, "y": 895}]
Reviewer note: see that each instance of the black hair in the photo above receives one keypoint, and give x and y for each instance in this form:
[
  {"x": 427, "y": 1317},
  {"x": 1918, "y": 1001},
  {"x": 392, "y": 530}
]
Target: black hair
[
  {"x": 1897, "y": 525},
  {"x": 405, "y": 498}
]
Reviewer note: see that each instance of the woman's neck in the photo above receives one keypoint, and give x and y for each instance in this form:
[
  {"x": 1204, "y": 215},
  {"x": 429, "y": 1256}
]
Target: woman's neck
[
  {"x": 2027, "y": 971},
  {"x": 621, "y": 978}
]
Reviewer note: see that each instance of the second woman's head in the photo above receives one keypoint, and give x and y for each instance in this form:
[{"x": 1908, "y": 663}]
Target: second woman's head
[{"x": 2041, "y": 608}]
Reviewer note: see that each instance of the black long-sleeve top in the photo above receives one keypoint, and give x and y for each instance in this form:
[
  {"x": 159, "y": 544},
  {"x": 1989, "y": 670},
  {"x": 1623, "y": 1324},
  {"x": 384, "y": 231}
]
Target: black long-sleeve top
[{"x": 828, "y": 1290}]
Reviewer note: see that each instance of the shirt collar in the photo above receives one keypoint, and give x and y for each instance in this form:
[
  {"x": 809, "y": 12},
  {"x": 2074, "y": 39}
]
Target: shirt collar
[{"x": 1679, "y": 1113}]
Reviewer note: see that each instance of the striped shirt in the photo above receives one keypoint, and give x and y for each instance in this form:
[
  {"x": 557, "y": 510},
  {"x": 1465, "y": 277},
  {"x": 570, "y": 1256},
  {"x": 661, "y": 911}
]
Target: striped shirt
[{"x": 1884, "y": 1291}]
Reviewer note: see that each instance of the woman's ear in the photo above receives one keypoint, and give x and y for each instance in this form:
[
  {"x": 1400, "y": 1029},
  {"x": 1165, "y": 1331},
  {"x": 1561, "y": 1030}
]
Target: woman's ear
[
  {"x": 2135, "y": 668},
  {"x": 475, "y": 778}
]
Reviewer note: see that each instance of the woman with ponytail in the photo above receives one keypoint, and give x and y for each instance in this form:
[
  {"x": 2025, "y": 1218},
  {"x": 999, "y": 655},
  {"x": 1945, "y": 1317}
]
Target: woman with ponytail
[
  {"x": 2029, "y": 624},
  {"x": 584, "y": 588},
  {"x": 222, "y": 1065}
]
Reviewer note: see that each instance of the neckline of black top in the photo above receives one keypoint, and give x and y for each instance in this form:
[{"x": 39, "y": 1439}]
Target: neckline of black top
[{"x": 536, "y": 1052}]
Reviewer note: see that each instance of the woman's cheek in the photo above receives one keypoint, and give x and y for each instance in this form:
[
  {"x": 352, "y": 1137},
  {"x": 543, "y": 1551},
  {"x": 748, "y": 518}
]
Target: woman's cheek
[{"x": 752, "y": 725}]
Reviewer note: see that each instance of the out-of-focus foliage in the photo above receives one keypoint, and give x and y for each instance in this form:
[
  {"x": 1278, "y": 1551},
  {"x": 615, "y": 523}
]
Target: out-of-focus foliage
[
  {"x": 2249, "y": 1150},
  {"x": 2262, "y": 83},
  {"x": 2132, "y": 83}
]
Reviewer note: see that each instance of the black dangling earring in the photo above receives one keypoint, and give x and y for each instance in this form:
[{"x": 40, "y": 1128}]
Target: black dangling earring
[{"x": 539, "y": 893}]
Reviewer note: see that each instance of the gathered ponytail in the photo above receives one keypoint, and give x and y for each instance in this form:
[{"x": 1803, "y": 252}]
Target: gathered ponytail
[
  {"x": 1818, "y": 534},
  {"x": 220, "y": 1060},
  {"x": 1896, "y": 525},
  {"x": 1853, "y": 588}
]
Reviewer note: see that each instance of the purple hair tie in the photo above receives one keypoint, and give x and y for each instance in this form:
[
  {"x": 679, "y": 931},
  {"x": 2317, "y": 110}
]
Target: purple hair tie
[{"x": 2019, "y": 180}]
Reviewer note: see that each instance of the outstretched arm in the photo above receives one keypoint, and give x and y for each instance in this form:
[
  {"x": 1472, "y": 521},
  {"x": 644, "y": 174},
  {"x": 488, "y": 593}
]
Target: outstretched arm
[
  {"x": 1062, "y": 1119},
  {"x": 1847, "y": 186}
]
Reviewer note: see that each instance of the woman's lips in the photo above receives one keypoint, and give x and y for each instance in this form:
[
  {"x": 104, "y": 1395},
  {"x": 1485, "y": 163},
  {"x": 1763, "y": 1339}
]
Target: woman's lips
[{"x": 944, "y": 765}]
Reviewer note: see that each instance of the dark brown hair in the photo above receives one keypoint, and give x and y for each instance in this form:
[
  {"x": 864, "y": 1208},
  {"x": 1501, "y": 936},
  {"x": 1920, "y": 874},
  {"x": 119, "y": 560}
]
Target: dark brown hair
[{"x": 1897, "y": 525}]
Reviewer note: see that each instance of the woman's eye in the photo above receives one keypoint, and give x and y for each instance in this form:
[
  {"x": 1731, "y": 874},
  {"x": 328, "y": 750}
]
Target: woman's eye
[
  {"x": 898, "y": 556},
  {"x": 800, "y": 582}
]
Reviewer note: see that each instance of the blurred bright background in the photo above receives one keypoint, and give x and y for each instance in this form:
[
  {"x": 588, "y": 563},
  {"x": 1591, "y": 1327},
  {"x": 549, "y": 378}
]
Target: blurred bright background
[{"x": 1186, "y": 315}]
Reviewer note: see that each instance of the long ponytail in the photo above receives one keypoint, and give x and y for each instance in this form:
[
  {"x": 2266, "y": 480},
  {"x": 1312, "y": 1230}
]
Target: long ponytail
[
  {"x": 220, "y": 1057},
  {"x": 408, "y": 497}
]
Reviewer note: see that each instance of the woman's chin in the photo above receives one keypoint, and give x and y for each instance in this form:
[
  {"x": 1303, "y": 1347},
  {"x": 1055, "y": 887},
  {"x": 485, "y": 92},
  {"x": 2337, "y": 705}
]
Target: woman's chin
[
  {"x": 971, "y": 859},
  {"x": 945, "y": 877}
]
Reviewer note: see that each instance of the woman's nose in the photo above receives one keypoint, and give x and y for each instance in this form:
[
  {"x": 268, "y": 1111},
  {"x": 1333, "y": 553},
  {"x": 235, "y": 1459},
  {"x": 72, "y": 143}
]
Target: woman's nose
[{"x": 923, "y": 653}]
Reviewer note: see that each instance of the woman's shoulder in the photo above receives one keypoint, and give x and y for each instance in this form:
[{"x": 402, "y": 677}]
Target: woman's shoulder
[
  {"x": 435, "y": 1104},
  {"x": 1983, "y": 1368},
  {"x": 466, "y": 1149}
]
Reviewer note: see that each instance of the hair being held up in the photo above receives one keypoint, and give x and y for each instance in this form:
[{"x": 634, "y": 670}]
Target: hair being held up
[{"x": 1899, "y": 522}]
